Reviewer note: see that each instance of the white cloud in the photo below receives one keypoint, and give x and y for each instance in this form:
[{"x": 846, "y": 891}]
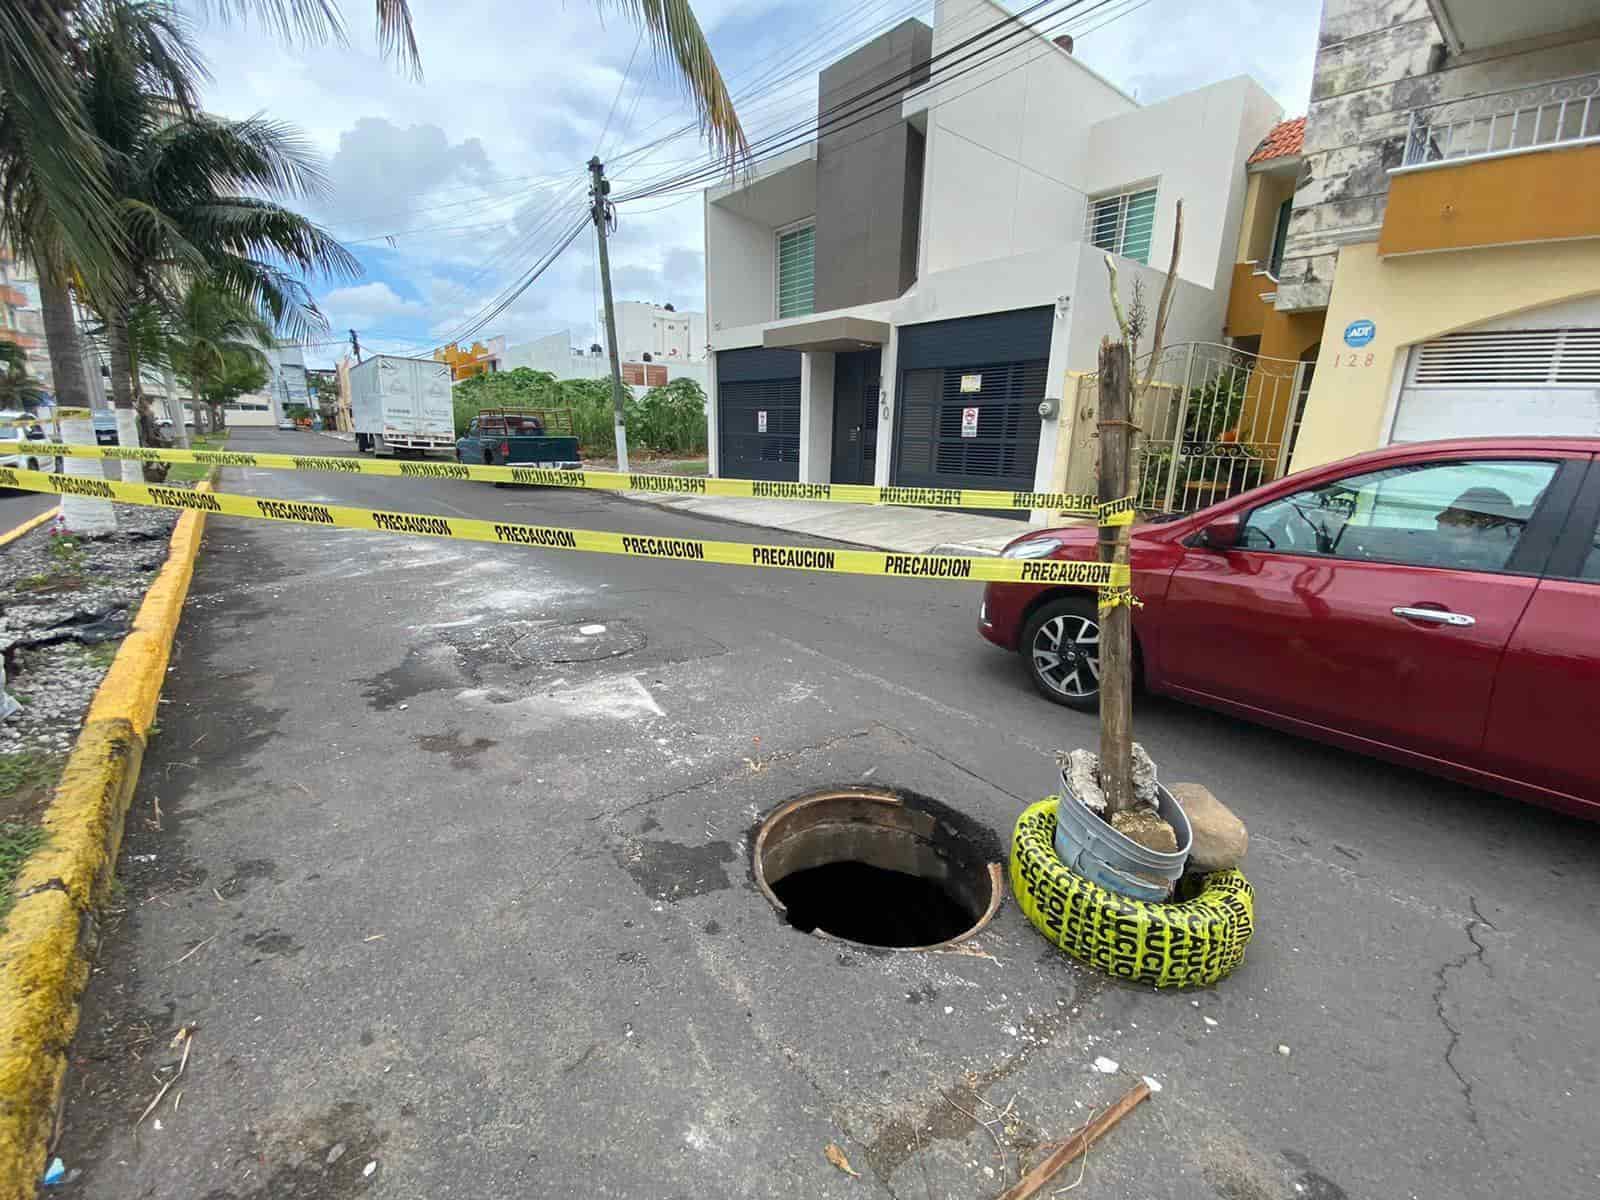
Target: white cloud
[
  {"x": 475, "y": 171},
  {"x": 367, "y": 304}
]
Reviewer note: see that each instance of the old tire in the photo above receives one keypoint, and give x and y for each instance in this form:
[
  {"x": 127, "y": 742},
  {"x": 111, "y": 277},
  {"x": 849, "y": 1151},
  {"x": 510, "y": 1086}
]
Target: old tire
[{"x": 1195, "y": 940}]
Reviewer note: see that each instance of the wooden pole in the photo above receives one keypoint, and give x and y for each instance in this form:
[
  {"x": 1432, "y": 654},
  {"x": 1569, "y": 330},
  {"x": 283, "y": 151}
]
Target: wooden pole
[
  {"x": 1116, "y": 620},
  {"x": 1079, "y": 1142}
]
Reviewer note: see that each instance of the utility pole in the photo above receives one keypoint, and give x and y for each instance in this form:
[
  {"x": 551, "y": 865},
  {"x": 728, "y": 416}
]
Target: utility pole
[
  {"x": 598, "y": 191},
  {"x": 355, "y": 344}
]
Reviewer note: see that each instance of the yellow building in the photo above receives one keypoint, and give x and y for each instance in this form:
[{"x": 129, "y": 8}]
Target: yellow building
[{"x": 1443, "y": 244}]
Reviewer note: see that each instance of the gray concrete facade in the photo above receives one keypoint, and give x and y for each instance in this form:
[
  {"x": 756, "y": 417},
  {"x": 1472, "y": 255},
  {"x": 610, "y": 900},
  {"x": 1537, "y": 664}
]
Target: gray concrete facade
[{"x": 869, "y": 171}]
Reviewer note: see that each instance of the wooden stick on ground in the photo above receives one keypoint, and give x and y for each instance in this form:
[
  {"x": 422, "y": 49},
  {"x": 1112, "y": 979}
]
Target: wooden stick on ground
[{"x": 1091, "y": 1133}]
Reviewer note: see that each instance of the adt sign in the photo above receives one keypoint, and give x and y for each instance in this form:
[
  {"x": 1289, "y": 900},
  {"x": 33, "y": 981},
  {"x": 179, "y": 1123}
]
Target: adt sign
[{"x": 1359, "y": 333}]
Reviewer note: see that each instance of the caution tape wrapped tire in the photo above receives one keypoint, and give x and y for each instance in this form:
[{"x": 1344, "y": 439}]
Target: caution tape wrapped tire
[{"x": 1187, "y": 943}]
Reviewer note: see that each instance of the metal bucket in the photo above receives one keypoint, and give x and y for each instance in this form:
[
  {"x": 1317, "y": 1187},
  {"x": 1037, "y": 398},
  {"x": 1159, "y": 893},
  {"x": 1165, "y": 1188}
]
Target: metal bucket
[{"x": 1088, "y": 846}]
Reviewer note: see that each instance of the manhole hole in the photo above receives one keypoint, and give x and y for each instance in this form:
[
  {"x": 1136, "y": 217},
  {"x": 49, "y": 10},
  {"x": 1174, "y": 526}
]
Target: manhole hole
[
  {"x": 878, "y": 868},
  {"x": 580, "y": 641}
]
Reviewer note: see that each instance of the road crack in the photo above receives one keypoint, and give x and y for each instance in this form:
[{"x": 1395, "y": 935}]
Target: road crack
[{"x": 1442, "y": 976}]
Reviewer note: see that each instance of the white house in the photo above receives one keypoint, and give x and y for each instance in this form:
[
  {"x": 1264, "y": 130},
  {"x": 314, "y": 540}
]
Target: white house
[
  {"x": 657, "y": 330},
  {"x": 557, "y": 354},
  {"x": 900, "y": 301}
]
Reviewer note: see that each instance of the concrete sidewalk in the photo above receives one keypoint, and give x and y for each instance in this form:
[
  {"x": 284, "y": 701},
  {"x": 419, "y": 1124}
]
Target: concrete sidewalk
[{"x": 903, "y": 530}]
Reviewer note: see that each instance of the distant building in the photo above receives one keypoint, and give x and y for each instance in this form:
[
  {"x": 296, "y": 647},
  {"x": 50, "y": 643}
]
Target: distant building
[
  {"x": 659, "y": 331},
  {"x": 21, "y": 320},
  {"x": 481, "y": 358},
  {"x": 557, "y": 354}
]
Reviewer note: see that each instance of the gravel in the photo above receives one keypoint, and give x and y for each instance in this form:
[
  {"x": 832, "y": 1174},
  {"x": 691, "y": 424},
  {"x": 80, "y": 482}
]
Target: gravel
[{"x": 59, "y": 643}]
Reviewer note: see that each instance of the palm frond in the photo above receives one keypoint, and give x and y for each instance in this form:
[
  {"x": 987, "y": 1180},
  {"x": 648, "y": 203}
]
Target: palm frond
[
  {"x": 254, "y": 154},
  {"x": 675, "y": 33},
  {"x": 396, "y": 36},
  {"x": 47, "y": 149},
  {"x": 305, "y": 21},
  {"x": 282, "y": 300},
  {"x": 261, "y": 229}
]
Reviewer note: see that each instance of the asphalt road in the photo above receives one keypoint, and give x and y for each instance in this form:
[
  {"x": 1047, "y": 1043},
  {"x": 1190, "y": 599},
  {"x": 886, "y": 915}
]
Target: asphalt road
[
  {"x": 17, "y": 507},
  {"x": 439, "y": 901}
]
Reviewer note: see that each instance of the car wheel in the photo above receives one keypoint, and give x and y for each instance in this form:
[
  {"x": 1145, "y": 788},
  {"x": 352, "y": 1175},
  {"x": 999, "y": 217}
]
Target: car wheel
[
  {"x": 1061, "y": 645},
  {"x": 33, "y": 464}
]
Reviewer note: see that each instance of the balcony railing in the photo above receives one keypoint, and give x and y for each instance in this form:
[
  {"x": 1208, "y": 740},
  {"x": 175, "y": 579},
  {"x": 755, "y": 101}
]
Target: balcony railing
[{"x": 1561, "y": 112}]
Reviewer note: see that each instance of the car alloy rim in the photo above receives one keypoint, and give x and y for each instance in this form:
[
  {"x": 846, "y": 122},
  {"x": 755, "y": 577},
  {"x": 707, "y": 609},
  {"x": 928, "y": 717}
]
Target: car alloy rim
[{"x": 1066, "y": 655}]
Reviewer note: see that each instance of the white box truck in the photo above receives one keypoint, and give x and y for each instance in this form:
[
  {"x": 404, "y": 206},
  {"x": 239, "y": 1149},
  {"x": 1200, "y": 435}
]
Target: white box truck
[{"x": 402, "y": 404}]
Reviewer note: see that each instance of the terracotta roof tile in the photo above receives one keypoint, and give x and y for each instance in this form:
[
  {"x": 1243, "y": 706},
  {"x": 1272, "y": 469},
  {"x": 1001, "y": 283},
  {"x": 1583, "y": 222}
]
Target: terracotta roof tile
[{"x": 1284, "y": 139}]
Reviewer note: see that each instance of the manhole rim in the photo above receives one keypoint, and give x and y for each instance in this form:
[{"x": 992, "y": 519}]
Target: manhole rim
[{"x": 889, "y": 797}]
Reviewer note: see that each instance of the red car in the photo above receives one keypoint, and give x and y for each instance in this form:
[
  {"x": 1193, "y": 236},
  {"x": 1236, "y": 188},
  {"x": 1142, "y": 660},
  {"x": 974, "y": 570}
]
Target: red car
[{"x": 1436, "y": 604}]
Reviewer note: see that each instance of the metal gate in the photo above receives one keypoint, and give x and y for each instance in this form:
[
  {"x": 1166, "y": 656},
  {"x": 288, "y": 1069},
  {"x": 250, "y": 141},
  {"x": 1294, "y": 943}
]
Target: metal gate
[
  {"x": 1214, "y": 422},
  {"x": 758, "y": 414},
  {"x": 968, "y": 401}
]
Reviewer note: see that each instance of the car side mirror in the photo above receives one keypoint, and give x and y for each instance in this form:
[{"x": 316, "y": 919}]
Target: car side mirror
[{"x": 1223, "y": 533}]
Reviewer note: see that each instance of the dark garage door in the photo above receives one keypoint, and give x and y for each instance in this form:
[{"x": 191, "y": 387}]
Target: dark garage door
[
  {"x": 1009, "y": 354},
  {"x": 758, "y": 414}
]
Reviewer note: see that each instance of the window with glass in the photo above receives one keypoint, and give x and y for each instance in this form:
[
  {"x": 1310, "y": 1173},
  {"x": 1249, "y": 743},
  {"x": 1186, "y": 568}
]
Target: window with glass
[
  {"x": 1123, "y": 223},
  {"x": 797, "y": 271},
  {"x": 1465, "y": 516},
  {"x": 1280, "y": 237}
]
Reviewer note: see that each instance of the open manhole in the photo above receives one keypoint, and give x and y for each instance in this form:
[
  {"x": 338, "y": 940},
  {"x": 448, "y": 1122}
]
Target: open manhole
[
  {"x": 580, "y": 641},
  {"x": 878, "y": 867}
]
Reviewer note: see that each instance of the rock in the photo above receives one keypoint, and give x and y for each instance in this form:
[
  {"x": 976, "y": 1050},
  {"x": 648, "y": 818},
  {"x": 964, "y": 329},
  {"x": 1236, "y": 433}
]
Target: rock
[
  {"x": 1145, "y": 826},
  {"x": 1144, "y": 777},
  {"x": 1083, "y": 779},
  {"x": 1220, "y": 838}
]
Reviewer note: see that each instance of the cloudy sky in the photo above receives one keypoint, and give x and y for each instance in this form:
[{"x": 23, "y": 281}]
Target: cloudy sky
[{"x": 450, "y": 188}]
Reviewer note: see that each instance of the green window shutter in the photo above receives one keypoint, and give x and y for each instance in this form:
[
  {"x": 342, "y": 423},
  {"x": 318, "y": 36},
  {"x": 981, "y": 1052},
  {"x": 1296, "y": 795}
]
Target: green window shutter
[
  {"x": 796, "y": 272},
  {"x": 1138, "y": 225}
]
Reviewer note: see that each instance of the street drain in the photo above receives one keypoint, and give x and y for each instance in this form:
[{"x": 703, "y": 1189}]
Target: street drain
[
  {"x": 580, "y": 641},
  {"x": 876, "y": 867}
]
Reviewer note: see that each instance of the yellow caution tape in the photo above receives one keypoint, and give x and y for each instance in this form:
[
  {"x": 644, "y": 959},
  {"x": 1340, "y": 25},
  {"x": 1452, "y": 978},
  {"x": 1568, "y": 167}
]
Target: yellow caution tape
[
  {"x": 1068, "y": 504},
  {"x": 742, "y": 554}
]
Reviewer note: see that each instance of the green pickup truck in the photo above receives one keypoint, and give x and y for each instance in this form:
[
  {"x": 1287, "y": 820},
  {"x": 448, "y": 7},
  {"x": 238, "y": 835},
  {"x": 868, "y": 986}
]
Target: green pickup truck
[{"x": 523, "y": 437}]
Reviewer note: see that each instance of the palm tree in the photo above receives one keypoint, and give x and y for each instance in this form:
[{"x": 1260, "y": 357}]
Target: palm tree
[
  {"x": 214, "y": 341},
  {"x": 188, "y": 191},
  {"x": 66, "y": 220}
]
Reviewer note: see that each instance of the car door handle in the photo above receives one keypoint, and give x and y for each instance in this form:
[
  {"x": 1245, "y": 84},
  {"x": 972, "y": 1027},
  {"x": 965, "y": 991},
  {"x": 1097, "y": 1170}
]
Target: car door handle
[{"x": 1437, "y": 616}]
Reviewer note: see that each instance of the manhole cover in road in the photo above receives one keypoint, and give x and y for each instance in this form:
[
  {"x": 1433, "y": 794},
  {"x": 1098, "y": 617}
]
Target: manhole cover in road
[
  {"x": 579, "y": 641},
  {"x": 879, "y": 868}
]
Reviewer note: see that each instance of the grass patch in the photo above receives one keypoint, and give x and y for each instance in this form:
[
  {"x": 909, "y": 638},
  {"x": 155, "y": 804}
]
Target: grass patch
[
  {"x": 101, "y": 654},
  {"x": 16, "y": 843},
  {"x": 27, "y": 771},
  {"x": 195, "y": 472}
]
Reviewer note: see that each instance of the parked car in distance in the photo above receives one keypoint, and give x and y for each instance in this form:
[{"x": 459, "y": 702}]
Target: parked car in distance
[
  {"x": 524, "y": 437},
  {"x": 105, "y": 426},
  {"x": 1435, "y": 604},
  {"x": 286, "y": 423},
  {"x": 16, "y": 433}
]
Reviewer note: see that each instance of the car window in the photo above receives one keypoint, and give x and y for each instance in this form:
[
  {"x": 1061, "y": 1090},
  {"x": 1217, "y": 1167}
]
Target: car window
[
  {"x": 1464, "y": 515},
  {"x": 1590, "y": 567}
]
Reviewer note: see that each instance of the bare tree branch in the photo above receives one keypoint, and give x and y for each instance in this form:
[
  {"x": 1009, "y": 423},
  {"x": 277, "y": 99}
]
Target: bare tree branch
[
  {"x": 1164, "y": 308},
  {"x": 1116, "y": 300}
]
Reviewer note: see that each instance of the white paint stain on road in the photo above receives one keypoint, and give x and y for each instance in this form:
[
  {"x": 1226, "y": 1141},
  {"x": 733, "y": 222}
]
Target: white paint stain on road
[{"x": 615, "y": 698}]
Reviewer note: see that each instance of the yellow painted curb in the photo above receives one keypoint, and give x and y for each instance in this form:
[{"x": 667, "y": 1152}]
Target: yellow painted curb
[
  {"x": 28, "y": 526},
  {"x": 50, "y": 935}
]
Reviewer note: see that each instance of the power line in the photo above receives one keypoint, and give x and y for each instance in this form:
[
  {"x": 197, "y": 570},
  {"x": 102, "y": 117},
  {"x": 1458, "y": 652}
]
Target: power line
[{"x": 829, "y": 119}]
